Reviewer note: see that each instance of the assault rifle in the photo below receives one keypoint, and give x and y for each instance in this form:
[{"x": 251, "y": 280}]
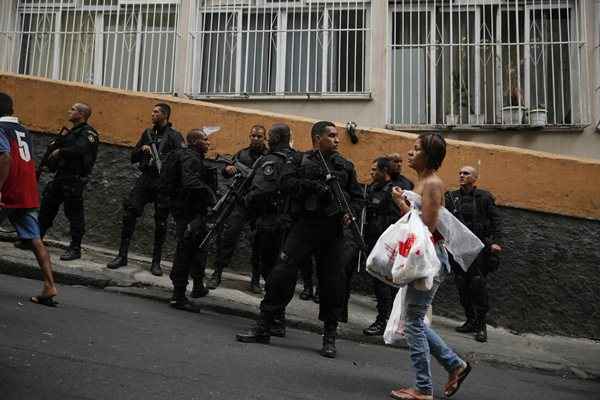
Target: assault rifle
[
  {"x": 47, "y": 162},
  {"x": 225, "y": 205},
  {"x": 340, "y": 198},
  {"x": 154, "y": 152}
]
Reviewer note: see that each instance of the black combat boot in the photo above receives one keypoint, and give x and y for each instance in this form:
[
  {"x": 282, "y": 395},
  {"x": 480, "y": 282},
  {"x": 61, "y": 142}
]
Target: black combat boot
[
  {"x": 307, "y": 293},
  {"x": 121, "y": 259},
  {"x": 481, "y": 330},
  {"x": 215, "y": 279},
  {"x": 377, "y": 328},
  {"x": 328, "y": 350},
  {"x": 255, "y": 286},
  {"x": 155, "y": 268},
  {"x": 72, "y": 253},
  {"x": 260, "y": 333},
  {"x": 278, "y": 325},
  {"x": 198, "y": 289},
  {"x": 467, "y": 327},
  {"x": 180, "y": 302},
  {"x": 255, "y": 280},
  {"x": 316, "y": 297}
]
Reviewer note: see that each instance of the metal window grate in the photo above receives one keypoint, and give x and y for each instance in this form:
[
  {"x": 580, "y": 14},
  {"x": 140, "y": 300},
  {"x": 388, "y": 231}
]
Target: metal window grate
[
  {"x": 487, "y": 63},
  {"x": 127, "y": 44},
  {"x": 268, "y": 47}
]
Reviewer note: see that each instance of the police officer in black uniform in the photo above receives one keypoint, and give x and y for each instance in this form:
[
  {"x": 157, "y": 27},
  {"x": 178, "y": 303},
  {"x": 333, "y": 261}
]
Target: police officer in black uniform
[
  {"x": 381, "y": 212},
  {"x": 318, "y": 229},
  {"x": 190, "y": 186},
  {"x": 72, "y": 155},
  {"x": 395, "y": 172},
  {"x": 269, "y": 206},
  {"x": 165, "y": 139},
  {"x": 476, "y": 208},
  {"x": 228, "y": 238}
]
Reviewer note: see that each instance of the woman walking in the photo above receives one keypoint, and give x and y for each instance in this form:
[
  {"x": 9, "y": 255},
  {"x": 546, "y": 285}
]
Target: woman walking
[{"x": 426, "y": 158}]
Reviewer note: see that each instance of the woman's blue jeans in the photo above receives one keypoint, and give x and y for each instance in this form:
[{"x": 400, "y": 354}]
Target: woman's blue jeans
[{"x": 423, "y": 341}]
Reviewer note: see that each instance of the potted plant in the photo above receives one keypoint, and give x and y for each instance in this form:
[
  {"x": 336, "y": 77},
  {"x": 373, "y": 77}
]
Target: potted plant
[
  {"x": 538, "y": 116},
  {"x": 513, "y": 112}
]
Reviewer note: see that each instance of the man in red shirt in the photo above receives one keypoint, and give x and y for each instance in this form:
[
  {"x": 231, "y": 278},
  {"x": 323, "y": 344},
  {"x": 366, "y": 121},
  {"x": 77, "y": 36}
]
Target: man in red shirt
[{"x": 19, "y": 196}]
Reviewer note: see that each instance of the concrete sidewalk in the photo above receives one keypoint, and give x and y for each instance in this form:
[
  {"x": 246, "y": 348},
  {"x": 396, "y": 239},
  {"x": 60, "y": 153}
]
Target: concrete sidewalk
[{"x": 560, "y": 355}]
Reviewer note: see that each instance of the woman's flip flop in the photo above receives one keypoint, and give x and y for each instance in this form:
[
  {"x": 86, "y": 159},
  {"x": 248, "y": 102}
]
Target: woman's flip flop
[
  {"x": 409, "y": 394},
  {"x": 47, "y": 301},
  {"x": 455, "y": 381}
]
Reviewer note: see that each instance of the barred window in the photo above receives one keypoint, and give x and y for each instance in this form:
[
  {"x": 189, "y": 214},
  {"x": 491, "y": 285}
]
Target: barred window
[
  {"x": 267, "y": 47},
  {"x": 487, "y": 63},
  {"x": 127, "y": 44}
]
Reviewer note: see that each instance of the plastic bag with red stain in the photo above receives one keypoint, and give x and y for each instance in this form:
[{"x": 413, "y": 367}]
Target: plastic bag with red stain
[{"x": 404, "y": 253}]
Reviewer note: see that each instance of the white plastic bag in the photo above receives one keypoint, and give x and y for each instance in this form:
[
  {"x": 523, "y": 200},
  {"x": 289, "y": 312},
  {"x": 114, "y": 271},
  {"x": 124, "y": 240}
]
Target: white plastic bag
[
  {"x": 381, "y": 259},
  {"x": 394, "y": 330},
  {"x": 458, "y": 239},
  {"x": 404, "y": 253},
  {"x": 417, "y": 258}
]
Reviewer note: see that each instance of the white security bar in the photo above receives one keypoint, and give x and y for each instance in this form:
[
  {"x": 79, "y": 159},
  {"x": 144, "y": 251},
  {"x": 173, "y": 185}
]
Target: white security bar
[
  {"x": 452, "y": 63},
  {"x": 126, "y": 44},
  {"x": 484, "y": 63},
  {"x": 270, "y": 47}
]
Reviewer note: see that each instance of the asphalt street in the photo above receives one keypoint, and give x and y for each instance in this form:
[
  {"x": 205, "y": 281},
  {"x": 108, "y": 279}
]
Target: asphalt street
[{"x": 103, "y": 345}]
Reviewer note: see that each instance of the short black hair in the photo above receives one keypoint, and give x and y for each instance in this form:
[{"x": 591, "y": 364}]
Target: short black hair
[
  {"x": 282, "y": 131},
  {"x": 384, "y": 164},
  {"x": 6, "y": 105},
  {"x": 261, "y": 127},
  {"x": 433, "y": 146},
  {"x": 320, "y": 128},
  {"x": 165, "y": 108}
]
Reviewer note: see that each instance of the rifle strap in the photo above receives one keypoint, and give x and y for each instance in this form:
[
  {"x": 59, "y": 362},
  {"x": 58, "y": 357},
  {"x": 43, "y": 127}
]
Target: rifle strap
[{"x": 163, "y": 142}]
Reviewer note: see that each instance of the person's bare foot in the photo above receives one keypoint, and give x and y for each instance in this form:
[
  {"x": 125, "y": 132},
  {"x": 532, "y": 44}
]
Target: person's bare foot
[
  {"x": 49, "y": 291},
  {"x": 456, "y": 378}
]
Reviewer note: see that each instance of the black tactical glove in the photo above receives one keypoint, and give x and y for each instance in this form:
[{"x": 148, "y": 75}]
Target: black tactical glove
[{"x": 196, "y": 227}]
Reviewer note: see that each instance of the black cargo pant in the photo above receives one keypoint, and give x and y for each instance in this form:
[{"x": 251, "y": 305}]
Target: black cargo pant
[
  {"x": 189, "y": 261},
  {"x": 472, "y": 287},
  {"x": 229, "y": 237},
  {"x": 322, "y": 237},
  {"x": 268, "y": 243},
  {"x": 145, "y": 191},
  {"x": 349, "y": 261},
  {"x": 68, "y": 191},
  {"x": 385, "y": 295},
  {"x": 307, "y": 269}
]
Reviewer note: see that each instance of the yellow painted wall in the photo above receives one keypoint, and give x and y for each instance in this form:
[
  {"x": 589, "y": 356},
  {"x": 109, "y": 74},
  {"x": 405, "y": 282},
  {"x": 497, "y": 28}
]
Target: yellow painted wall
[{"x": 519, "y": 178}]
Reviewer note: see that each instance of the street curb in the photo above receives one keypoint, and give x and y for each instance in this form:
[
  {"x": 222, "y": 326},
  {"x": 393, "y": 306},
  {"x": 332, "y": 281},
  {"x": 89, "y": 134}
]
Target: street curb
[{"x": 242, "y": 310}]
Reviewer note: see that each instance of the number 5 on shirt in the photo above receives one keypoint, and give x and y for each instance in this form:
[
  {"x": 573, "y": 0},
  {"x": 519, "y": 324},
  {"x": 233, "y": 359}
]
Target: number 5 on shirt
[{"x": 23, "y": 146}]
